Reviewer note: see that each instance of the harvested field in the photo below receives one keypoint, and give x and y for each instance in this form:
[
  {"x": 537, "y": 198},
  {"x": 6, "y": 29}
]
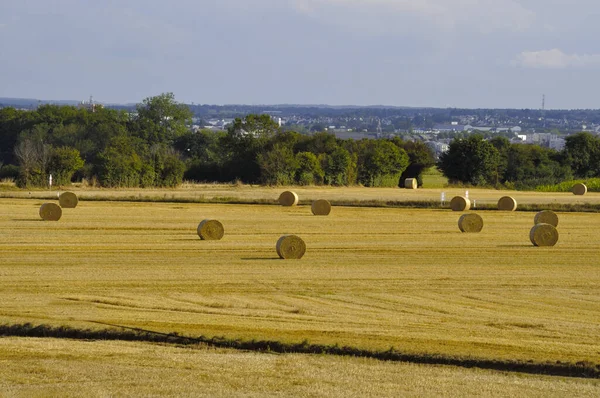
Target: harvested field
[
  {"x": 51, "y": 367},
  {"x": 224, "y": 192},
  {"x": 373, "y": 277}
]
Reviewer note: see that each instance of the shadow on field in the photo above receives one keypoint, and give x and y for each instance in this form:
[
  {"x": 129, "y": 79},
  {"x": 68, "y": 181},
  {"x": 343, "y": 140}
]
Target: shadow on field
[
  {"x": 27, "y": 219},
  {"x": 515, "y": 246},
  {"x": 259, "y": 258},
  {"x": 584, "y": 369}
]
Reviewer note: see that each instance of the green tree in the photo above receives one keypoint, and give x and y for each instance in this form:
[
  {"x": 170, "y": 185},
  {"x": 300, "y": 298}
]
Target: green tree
[
  {"x": 470, "y": 161},
  {"x": 64, "y": 162},
  {"x": 119, "y": 165},
  {"x": 33, "y": 156},
  {"x": 420, "y": 158},
  {"x": 583, "y": 153},
  {"x": 309, "y": 170},
  {"x": 337, "y": 165},
  {"x": 380, "y": 163},
  {"x": 278, "y": 166},
  {"x": 161, "y": 120},
  {"x": 259, "y": 126}
]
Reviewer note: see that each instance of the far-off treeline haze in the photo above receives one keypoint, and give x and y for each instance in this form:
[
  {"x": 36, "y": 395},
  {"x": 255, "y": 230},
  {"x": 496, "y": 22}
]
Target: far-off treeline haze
[{"x": 156, "y": 146}]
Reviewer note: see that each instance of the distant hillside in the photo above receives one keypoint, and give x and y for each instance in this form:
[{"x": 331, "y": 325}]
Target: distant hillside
[{"x": 32, "y": 102}]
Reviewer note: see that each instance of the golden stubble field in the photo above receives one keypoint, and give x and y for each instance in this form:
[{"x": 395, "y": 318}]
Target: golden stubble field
[
  {"x": 372, "y": 277},
  {"x": 32, "y": 367},
  {"x": 248, "y": 193}
]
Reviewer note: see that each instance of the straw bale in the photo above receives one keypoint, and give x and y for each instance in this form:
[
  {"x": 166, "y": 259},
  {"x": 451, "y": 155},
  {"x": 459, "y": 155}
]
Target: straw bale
[
  {"x": 68, "y": 200},
  {"x": 543, "y": 235},
  {"x": 50, "y": 212},
  {"x": 321, "y": 207},
  {"x": 546, "y": 217},
  {"x": 470, "y": 222},
  {"x": 410, "y": 183},
  {"x": 460, "y": 203},
  {"x": 210, "y": 230},
  {"x": 579, "y": 189},
  {"x": 290, "y": 247},
  {"x": 288, "y": 198},
  {"x": 507, "y": 203}
]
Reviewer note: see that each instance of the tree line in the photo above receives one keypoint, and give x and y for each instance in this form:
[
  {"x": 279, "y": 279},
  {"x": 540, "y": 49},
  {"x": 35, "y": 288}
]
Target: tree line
[
  {"x": 155, "y": 147},
  {"x": 500, "y": 163}
]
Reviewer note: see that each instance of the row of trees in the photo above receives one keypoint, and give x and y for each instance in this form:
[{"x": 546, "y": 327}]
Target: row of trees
[
  {"x": 476, "y": 161},
  {"x": 155, "y": 147}
]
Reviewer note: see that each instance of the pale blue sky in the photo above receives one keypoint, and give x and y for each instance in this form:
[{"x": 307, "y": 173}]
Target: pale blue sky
[{"x": 439, "y": 53}]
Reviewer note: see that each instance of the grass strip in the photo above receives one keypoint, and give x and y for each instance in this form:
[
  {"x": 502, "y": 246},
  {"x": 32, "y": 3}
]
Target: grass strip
[
  {"x": 583, "y": 369},
  {"x": 408, "y": 204}
]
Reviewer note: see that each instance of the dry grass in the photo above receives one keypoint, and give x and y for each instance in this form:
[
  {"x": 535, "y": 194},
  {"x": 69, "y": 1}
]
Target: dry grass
[
  {"x": 373, "y": 278},
  {"x": 49, "y": 367},
  {"x": 225, "y": 192}
]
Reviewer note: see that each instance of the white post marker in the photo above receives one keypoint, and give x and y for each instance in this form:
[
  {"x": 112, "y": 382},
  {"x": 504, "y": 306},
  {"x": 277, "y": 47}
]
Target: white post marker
[
  {"x": 467, "y": 194},
  {"x": 474, "y": 203},
  {"x": 50, "y": 181},
  {"x": 443, "y": 197}
]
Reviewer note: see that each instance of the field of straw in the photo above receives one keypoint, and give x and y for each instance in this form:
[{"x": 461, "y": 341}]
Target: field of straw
[{"x": 371, "y": 278}]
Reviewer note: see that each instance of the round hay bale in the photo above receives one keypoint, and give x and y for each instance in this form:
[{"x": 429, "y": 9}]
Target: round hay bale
[
  {"x": 68, "y": 200},
  {"x": 321, "y": 207},
  {"x": 546, "y": 217},
  {"x": 410, "y": 183},
  {"x": 288, "y": 198},
  {"x": 543, "y": 235},
  {"x": 50, "y": 212},
  {"x": 210, "y": 230},
  {"x": 290, "y": 247},
  {"x": 460, "y": 203},
  {"x": 507, "y": 203},
  {"x": 579, "y": 189},
  {"x": 470, "y": 222}
]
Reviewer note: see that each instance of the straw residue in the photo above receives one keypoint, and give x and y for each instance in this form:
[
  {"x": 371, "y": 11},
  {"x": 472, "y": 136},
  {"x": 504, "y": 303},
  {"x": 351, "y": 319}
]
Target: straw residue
[
  {"x": 210, "y": 230},
  {"x": 321, "y": 207},
  {"x": 546, "y": 217},
  {"x": 288, "y": 198},
  {"x": 543, "y": 235},
  {"x": 50, "y": 212},
  {"x": 68, "y": 200},
  {"x": 470, "y": 222},
  {"x": 410, "y": 183},
  {"x": 579, "y": 189},
  {"x": 290, "y": 247},
  {"x": 507, "y": 203},
  {"x": 460, "y": 203}
]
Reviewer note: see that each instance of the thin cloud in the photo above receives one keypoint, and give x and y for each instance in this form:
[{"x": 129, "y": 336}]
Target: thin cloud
[
  {"x": 394, "y": 16},
  {"x": 555, "y": 59}
]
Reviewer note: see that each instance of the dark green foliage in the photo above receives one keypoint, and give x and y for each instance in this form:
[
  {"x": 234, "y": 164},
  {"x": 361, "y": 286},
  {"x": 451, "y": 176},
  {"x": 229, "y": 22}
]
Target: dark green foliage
[
  {"x": 380, "y": 163},
  {"x": 336, "y": 166},
  {"x": 583, "y": 153},
  {"x": 420, "y": 158},
  {"x": 471, "y": 161},
  {"x": 9, "y": 171},
  {"x": 155, "y": 147},
  {"x": 528, "y": 166},
  {"x": 161, "y": 120},
  {"x": 119, "y": 165},
  {"x": 309, "y": 171},
  {"x": 278, "y": 166},
  {"x": 64, "y": 162}
]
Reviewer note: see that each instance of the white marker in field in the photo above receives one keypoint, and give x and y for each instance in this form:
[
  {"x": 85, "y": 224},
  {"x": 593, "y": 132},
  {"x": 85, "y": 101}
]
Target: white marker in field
[
  {"x": 50, "y": 180},
  {"x": 467, "y": 194},
  {"x": 443, "y": 197}
]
